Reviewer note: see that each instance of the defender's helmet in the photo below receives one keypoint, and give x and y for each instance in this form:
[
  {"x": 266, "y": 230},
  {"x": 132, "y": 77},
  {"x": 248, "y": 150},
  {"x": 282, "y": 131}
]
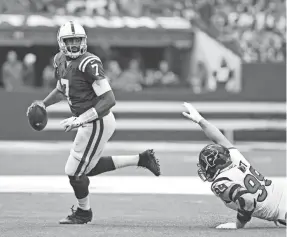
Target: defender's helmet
[
  {"x": 72, "y": 39},
  {"x": 212, "y": 159}
]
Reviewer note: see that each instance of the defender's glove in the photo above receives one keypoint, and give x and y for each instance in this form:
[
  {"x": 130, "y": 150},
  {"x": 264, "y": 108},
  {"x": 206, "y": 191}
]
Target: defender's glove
[
  {"x": 227, "y": 226},
  {"x": 71, "y": 123},
  {"x": 36, "y": 103},
  {"x": 192, "y": 114}
]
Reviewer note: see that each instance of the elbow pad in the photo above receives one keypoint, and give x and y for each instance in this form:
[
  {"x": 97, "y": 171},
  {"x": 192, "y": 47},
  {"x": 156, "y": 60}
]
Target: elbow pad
[{"x": 244, "y": 215}]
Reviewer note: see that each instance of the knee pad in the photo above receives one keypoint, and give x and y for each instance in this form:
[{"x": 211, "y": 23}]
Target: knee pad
[{"x": 80, "y": 185}]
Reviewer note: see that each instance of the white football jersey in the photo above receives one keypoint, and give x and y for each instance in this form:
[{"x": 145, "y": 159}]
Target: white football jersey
[{"x": 242, "y": 180}]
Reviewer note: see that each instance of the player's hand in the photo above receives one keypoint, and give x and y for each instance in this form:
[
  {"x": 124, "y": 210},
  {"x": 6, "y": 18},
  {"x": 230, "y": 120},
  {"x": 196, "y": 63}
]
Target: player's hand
[
  {"x": 36, "y": 103},
  {"x": 231, "y": 225},
  {"x": 70, "y": 123},
  {"x": 192, "y": 113}
]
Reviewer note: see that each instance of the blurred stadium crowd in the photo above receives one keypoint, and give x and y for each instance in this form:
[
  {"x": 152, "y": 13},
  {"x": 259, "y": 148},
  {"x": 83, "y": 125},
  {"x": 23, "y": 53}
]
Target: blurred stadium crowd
[
  {"x": 256, "y": 29},
  {"x": 258, "y": 26},
  {"x": 18, "y": 75}
]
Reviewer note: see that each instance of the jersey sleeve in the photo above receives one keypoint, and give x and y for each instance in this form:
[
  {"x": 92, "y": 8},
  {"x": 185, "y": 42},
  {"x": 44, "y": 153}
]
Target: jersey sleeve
[
  {"x": 237, "y": 158},
  {"x": 93, "y": 68},
  {"x": 56, "y": 72},
  {"x": 236, "y": 197},
  {"x": 55, "y": 61},
  {"x": 225, "y": 189}
]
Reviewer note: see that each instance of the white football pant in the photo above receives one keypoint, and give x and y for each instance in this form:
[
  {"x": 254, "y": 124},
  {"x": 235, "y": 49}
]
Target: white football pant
[{"x": 89, "y": 144}]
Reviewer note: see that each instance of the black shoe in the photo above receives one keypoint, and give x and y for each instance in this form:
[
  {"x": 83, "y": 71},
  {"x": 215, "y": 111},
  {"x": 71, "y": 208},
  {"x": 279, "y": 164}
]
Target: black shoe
[
  {"x": 78, "y": 217},
  {"x": 147, "y": 160}
]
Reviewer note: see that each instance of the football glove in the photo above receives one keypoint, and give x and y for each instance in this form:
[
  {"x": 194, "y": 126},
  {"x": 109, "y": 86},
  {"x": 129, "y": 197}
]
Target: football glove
[
  {"x": 231, "y": 225},
  {"x": 36, "y": 103},
  {"x": 192, "y": 113},
  {"x": 71, "y": 123}
]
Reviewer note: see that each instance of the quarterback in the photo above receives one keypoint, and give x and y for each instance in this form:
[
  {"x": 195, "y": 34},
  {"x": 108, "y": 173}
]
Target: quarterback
[
  {"x": 235, "y": 181},
  {"x": 80, "y": 78}
]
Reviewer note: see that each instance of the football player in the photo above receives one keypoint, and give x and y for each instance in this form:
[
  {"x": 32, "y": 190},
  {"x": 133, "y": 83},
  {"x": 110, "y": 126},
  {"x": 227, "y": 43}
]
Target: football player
[
  {"x": 235, "y": 181},
  {"x": 81, "y": 79}
]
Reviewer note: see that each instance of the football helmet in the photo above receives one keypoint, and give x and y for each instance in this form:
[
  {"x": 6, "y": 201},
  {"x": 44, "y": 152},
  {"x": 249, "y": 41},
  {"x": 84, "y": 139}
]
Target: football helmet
[
  {"x": 72, "y": 39},
  {"x": 212, "y": 160}
]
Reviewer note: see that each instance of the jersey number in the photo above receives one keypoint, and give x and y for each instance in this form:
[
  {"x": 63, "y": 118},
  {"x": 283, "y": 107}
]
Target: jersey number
[
  {"x": 96, "y": 66},
  {"x": 65, "y": 87},
  {"x": 252, "y": 184}
]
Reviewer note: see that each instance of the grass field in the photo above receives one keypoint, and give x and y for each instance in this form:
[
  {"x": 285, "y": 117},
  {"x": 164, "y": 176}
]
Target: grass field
[{"x": 34, "y": 195}]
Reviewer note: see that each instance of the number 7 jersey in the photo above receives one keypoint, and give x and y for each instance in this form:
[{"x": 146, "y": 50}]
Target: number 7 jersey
[
  {"x": 241, "y": 187},
  {"x": 77, "y": 80}
]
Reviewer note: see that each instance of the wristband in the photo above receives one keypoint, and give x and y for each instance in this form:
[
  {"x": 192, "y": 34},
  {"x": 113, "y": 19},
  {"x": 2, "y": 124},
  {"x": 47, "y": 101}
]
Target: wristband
[
  {"x": 200, "y": 120},
  {"x": 88, "y": 116}
]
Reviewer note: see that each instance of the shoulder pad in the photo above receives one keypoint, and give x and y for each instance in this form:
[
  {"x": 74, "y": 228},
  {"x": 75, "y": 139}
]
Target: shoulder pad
[
  {"x": 87, "y": 59},
  {"x": 57, "y": 58}
]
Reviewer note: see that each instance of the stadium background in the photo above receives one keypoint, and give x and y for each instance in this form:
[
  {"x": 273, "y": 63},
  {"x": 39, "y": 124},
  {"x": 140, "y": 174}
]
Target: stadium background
[{"x": 226, "y": 57}]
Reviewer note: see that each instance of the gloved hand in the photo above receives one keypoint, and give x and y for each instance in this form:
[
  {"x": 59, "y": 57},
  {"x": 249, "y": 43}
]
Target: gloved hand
[
  {"x": 192, "y": 113},
  {"x": 71, "y": 123},
  {"x": 36, "y": 103}
]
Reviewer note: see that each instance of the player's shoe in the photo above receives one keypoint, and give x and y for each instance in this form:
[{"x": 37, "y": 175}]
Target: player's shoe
[
  {"x": 149, "y": 161},
  {"x": 78, "y": 216}
]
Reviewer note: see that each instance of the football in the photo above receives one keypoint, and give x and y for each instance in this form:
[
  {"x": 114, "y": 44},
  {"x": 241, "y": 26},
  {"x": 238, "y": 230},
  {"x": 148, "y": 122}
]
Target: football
[{"x": 38, "y": 118}]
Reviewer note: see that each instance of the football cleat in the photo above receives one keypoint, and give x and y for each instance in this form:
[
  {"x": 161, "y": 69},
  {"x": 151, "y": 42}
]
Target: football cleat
[
  {"x": 78, "y": 216},
  {"x": 149, "y": 161}
]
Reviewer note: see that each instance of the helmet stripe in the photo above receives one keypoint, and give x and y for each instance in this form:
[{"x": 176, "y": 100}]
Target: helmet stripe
[{"x": 72, "y": 27}]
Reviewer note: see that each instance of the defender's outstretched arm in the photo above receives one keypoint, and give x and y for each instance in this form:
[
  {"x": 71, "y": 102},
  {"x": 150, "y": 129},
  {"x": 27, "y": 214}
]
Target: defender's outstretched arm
[{"x": 210, "y": 130}]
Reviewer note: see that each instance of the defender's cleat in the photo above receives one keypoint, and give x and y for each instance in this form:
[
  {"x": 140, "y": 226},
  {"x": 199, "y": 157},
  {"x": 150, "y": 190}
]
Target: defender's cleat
[
  {"x": 149, "y": 161},
  {"x": 78, "y": 216}
]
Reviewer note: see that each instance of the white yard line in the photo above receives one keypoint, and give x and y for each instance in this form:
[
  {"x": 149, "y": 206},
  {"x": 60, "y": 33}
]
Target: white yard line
[
  {"x": 177, "y": 107},
  {"x": 29, "y": 146},
  {"x": 111, "y": 184},
  {"x": 185, "y": 125}
]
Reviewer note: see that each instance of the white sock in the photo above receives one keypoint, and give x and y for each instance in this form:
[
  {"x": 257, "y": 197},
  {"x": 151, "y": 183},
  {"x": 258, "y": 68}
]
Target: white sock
[
  {"x": 84, "y": 203},
  {"x": 123, "y": 161}
]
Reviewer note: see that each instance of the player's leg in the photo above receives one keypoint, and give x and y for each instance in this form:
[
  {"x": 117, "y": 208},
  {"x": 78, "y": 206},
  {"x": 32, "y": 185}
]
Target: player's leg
[
  {"x": 103, "y": 164},
  {"x": 145, "y": 159},
  {"x": 78, "y": 158}
]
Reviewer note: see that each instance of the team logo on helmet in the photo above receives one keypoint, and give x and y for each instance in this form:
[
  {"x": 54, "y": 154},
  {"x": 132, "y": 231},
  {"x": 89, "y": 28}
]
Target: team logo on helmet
[
  {"x": 210, "y": 156},
  {"x": 213, "y": 159}
]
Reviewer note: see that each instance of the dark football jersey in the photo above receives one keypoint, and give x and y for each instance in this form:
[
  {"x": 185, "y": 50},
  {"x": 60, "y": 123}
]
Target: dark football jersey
[{"x": 75, "y": 80}]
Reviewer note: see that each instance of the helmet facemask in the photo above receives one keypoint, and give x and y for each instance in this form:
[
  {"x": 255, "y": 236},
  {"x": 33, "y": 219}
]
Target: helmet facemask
[
  {"x": 73, "y": 46},
  {"x": 212, "y": 162}
]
